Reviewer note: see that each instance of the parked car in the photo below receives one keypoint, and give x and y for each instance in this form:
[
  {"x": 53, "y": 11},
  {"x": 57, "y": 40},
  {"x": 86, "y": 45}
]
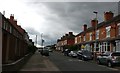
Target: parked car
[
  {"x": 72, "y": 54},
  {"x": 50, "y": 50},
  {"x": 109, "y": 58},
  {"x": 66, "y": 52},
  {"x": 45, "y": 51},
  {"x": 84, "y": 55}
]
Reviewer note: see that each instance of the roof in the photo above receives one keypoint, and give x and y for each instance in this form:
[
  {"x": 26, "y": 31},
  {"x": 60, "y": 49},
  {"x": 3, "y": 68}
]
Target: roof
[{"x": 104, "y": 23}]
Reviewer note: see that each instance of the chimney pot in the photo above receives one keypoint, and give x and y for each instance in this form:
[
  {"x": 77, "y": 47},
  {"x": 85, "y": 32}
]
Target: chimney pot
[
  {"x": 66, "y": 34},
  {"x": 70, "y": 33},
  {"x": 94, "y": 22},
  {"x": 108, "y": 15},
  {"x": 15, "y": 22},
  {"x": 84, "y": 27},
  {"x": 12, "y": 17}
]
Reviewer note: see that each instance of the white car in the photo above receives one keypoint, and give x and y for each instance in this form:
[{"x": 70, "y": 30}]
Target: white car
[{"x": 72, "y": 54}]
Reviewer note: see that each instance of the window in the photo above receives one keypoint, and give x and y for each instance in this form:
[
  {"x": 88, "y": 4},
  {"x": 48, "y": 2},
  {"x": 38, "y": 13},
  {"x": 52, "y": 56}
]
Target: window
[
  {"x": 4, "y": 25},
  {"x": 90, "y": 36},
  {"x": 108, "y": 46},
  {"x": 108, "y": 31},
  {"x": 80, "y": 38},
  {"x": 119, "y": 29},
  {"x": 84, "y": 38},
  {"x": 10, "y": 29},
  {"x": 97, "y": 34},
  {"x": 75, "y": 39}
]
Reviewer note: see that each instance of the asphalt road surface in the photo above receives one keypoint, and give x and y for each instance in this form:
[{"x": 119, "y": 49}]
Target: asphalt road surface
[{"x": 65, "y": 63}]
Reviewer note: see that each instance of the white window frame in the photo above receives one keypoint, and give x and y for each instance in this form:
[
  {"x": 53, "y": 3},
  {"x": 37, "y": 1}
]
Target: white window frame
[
  {"x": 65, "y": 42},
  {"x": 90, "y": 36},
  {"x": 84, "y": 38},
  {"x": 75, "y": 39},
  {"x": 97, "y": 34},
  {"x": 80, "y": 38},
  {"x": 108, "y": 31}
]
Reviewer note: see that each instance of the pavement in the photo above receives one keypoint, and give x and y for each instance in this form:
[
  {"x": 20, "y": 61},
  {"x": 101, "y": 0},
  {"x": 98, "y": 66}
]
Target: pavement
[{"x": 39, "y": 63}]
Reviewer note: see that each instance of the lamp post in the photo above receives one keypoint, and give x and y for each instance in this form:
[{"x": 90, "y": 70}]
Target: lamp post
[{"x": 95, "y": 35}]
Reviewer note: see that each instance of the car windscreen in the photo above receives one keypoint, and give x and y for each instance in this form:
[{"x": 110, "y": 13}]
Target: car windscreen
[
  {"x": 115, "y": 54},
  {"x": 87, "y": 53},
  {"x": 45, "y": 49}
]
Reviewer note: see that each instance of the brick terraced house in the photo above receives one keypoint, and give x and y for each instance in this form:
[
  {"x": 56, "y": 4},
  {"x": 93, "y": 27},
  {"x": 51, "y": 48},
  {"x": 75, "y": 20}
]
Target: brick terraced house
[
  {"x": 65, "y": 41},
  {"x": 15, "y": 40},
  {"x": 100, "y": 37}
]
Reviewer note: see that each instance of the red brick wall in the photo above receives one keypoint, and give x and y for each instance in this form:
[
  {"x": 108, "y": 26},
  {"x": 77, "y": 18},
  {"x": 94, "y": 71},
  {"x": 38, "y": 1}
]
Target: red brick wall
[
  {"x": 113, "y": 30},
  {"x": 78, "y": 39},
  {"x": 70, "y": 41},
  {"x": 87, "y": 36},
  {"x": 102, "y": 32}
]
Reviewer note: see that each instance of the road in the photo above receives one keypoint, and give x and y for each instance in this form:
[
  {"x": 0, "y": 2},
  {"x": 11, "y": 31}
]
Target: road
[
  {"x": 58, "y": 62},
  {"x": 65, "y": 63}
]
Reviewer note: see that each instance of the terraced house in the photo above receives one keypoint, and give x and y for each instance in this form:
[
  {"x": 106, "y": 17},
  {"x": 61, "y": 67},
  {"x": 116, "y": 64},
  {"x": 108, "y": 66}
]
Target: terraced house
[
  {"x": 15, "y": 40},
  {"x": 101, "y": 37},
  {"x": 65, "y": 41}
]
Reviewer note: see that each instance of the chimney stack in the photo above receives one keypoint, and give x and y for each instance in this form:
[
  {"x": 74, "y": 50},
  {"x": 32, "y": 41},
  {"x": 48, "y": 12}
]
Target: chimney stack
[
  {"x": 3, "y": 12},
  {"x": 15, "y": 21},
  {"x": 84, "y": 27},
  {"x": 12, "y": 17},
  {"x": 108, "y": 15},
  {"x": 94, "y": 22},
  {"x": 66, "y": 34},
  {"x": 70, "y": 33}
]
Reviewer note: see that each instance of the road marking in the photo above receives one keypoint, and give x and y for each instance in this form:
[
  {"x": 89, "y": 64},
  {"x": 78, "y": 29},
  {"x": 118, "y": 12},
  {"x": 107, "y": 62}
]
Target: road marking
[
  {"x": 74, "y": 60},
  {"x": 79, "y": 60},
  {"x": 109, "y": 67}
]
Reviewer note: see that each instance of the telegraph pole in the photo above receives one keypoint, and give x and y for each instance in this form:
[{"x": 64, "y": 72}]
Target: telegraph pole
[
  {"x": 36, "y": 40},
  {"x": 95, "y": 35},
  {"x": 41, "y": 39}
]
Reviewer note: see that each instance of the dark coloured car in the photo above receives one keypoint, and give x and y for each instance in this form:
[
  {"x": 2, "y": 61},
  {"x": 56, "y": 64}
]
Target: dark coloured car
[
  {"x": 84, "y": 55},
  {"x": 45, "y": 51},
  {"x": 110, "y": 59}
]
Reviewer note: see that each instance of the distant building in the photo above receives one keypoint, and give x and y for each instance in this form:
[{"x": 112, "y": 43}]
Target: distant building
[{"x": 65, "y": 41}]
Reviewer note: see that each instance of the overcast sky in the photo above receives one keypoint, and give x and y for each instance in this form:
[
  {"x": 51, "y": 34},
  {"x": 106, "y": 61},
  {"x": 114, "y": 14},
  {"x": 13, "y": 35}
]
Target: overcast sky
[{"x": 54, "y": 19}]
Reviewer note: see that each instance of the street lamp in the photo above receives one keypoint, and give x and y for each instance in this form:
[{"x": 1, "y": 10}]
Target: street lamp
[{"x": 95, "y": 34}]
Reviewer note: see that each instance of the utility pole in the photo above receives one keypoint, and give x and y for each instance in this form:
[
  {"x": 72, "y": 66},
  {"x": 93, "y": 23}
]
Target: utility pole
[
  {"x": 36, "y": 40},
  {"x": 41, "y": 39},
  {"x": 95, "y": 35}
]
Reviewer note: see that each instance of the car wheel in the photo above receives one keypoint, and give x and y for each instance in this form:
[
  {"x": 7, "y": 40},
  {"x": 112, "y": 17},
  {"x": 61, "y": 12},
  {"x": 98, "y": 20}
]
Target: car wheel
[
  {"x": 109, "y": 64},
  {"x": 98, "y": 62},
  {"x": 83, "y": 58}
]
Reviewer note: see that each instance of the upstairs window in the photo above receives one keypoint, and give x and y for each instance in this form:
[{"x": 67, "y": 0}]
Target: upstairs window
[
  {"x": 84, "y": 38},
  {"x": 75, "y": 39},
  {"x": 97, "y": 34},
  {"x": 80, "y": 38},
  {"x": 108, "y": 31},
  {"x": 118, "y": 28},
  {"x": 90, "y": 36}
]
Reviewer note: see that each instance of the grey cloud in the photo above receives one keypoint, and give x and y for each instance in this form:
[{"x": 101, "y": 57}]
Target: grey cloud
[
  {"x": 32, "y": 31},
  {"x": 63, "y": 17}
]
